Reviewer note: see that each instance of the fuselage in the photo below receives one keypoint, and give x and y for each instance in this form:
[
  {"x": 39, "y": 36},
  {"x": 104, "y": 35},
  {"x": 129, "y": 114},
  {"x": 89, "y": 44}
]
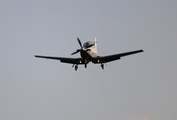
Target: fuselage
[{"x": 89, "y": 50}]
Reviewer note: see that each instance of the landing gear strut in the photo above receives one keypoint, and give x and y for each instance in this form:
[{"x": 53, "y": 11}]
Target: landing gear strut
[
  {"x": 102, "y": 65},
  {"x": 85, "y": 63},
  {"x": 76, "y": 67}
]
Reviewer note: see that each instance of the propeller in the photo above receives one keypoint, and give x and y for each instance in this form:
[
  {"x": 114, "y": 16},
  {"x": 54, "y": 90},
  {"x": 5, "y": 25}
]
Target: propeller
[
  {"x": 78, "y": 50},
  {"x": 79, "y": 42},
  {"x": 90, "y": 46},
  {"x": 81, "y": 49}
]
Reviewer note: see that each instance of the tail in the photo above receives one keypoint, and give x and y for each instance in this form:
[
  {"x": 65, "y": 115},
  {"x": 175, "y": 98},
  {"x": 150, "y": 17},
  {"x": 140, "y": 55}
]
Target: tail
[{"x": 95, "y": 47}]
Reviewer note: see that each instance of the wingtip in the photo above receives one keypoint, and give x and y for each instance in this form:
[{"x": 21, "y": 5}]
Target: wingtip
[{"x": 36, "y": 56}]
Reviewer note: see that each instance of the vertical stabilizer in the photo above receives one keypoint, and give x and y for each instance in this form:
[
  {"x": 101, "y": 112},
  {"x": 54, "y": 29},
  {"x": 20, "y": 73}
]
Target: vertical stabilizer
[{"x": 95, "y": 47}]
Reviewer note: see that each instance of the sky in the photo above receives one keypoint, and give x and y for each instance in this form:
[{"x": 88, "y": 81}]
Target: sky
[{"x": 137, "y": 87}]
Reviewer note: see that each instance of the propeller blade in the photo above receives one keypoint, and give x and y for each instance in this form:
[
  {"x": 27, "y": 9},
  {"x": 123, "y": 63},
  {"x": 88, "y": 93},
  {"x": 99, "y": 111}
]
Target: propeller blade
[
  {"x": 76, "y": 52},
  {"x": 79, "y": 42},
  {"x": 90, "y": 46}
]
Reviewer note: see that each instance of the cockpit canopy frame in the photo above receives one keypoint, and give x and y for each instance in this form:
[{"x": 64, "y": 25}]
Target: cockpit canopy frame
[{"x": 87, "y": 44}]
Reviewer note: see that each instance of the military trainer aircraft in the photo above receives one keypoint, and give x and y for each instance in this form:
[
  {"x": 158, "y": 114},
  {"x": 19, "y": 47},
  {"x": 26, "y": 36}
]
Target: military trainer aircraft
[{"x": 88, "y": 54}]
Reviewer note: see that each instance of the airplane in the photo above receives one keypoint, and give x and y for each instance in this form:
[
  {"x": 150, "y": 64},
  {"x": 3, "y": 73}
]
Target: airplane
[{"x": 88, "y": 53}]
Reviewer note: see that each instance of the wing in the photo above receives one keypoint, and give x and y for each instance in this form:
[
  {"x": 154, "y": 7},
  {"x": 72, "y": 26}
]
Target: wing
[
  {"x": 105, "y": 59},
  {"x": 64, "y": 60}
]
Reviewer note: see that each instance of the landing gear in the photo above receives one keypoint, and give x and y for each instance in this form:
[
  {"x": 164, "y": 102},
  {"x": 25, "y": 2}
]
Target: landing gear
[
  {"x": 102, "y": 65},
  {"x": 76, "y": 67},
  {"x": 85, "y": 63}
]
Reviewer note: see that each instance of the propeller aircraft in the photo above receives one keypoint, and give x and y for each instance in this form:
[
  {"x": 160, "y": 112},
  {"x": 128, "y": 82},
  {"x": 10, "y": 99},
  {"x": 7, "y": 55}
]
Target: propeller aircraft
[{"x": 88, "y": 53}]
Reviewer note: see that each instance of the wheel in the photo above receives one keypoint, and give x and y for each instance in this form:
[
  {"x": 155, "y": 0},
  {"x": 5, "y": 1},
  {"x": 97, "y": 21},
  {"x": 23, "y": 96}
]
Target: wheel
[
  {"x": 76, "y": 67},
  {"x": 102, "y": 66}
]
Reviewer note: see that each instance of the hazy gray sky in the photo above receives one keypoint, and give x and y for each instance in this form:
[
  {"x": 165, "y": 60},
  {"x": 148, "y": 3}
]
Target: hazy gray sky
[{"x": 137, "y": 87}]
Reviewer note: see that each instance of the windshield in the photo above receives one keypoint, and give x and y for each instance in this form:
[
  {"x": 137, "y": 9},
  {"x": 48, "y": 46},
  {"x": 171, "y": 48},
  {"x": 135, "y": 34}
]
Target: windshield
[{"x": 87, "y": 44}]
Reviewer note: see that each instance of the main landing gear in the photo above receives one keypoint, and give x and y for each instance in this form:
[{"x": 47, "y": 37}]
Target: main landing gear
[
  {"x": 102, "y": 65},
  {"x": 76, "y": 66}
]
